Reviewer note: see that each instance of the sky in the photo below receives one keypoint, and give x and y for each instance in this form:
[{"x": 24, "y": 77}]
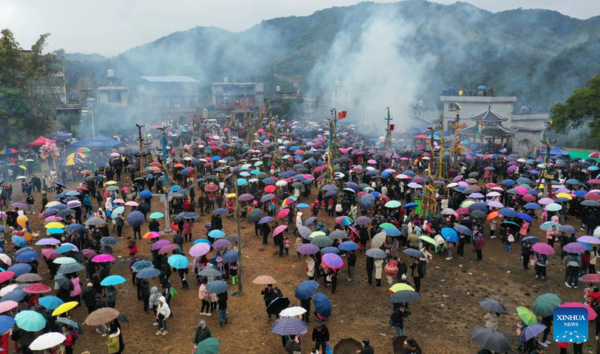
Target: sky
[{"x": 109, "y": 27}]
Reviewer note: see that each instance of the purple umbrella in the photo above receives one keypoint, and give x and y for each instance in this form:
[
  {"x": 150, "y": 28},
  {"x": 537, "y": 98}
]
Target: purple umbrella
[
  {"x": 589, "y": 239},
  {"x": 221, "y": 243},
  {"x": 457, "y": 178},
  {"x": 511, "y": 169},
  {"x": 160, "y": 244},
  {"x": 266, "y": 219},
  {"x": 47, "y": 241},
  {"x": 362, "y": 220},
  {"x": 246, "y": 197},
  {"x": 308, "y": 248},
  {"x": 135, "y": 218},
  {"x": 532, "y": 331},
  {"x": 332, "y": 261},
  {"x": 545, "y": 201},
  {"x": 199, "y": 249},
  {"x": 19, "y": 205},
  {"x": 168, "y": 248},
  {"x": 574, "y": 247},
  {"x": 310, "y": 220},
  {"x": 267, "y": 197}
]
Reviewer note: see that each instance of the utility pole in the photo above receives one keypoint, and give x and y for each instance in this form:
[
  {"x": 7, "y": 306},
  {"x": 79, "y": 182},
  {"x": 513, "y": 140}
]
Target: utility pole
[
  {"x": 388, "y": 131},
  {"x": 141, "y": 141},
  {"x": 166, "y": 178},
  {"x": 238, "y": 214}
]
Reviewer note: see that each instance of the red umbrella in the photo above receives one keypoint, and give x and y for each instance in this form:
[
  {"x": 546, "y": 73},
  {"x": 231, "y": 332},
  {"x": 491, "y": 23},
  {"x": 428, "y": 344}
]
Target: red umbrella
[
  {"x": 590, "y": 278},
  {"x": 49, "y": 253},
  {"x": 88, "y": 253},
  {"x": 270, "y": 189},
  {"x": 283, "y": 213},
  {"x": 591, "y": 313},
  {"x": 528, "y": 198},
  {"x": 37, "y": 288},
  {"x": 4, "y": 276},
  {"x": 211, "y": 188}
]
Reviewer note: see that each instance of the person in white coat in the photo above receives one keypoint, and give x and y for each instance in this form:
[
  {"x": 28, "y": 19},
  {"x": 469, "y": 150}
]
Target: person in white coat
[
  {"x": 378, "y": 271},
  {"x": 162, "y": 314}
]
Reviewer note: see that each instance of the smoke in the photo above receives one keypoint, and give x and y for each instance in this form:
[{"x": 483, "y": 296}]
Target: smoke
[{"x": 371, "y": 69}]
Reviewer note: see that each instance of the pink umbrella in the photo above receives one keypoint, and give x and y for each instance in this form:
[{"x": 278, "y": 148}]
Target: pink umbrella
[
  {"x": 528, "y": 198},
  {"x": 545, "y": 201},
  {"x": 463, "y": 184},
  {"x": 53, "y": 218},
  {"x": 211, "y": 188},
  {"x": 279, "y": 229},
  {"x": 37, "y": 288},
  {"x": 403, "y": 176},
  {"x": 4, "y": 276},
  {"x": 332, "y": 261},
  {"x": 372, "y": 162},
  {"x": 594, "y": 155},
  {"x": 49, "y": 253},
  {"x": 463, "y": 211},
  {"x": 89, "y": 253},
  {"x": 8, "y": 305},
  {"x": 132, "y": 203},
  {"x": 159, "y": 244},
  {"x": 591, "y": 313},
  {"x": 592, "y": 196},
  {"x": 168, "y": 248},
  {"x": 103, "y": 258},
  {"x": 543, "y": 248},
  {"x": 457, "y": 178},
  {"x": 522, "y": 190},
  {"x": 283, "y": 213},
  {"x": 199, "y": 249}
]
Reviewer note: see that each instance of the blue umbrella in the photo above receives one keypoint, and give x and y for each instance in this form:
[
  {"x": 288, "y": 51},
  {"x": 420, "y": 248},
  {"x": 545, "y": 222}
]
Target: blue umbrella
[
  {"x": 178, "y": 261},
  {"x": 50, "y": 302},
  {"x": 450, "y": 234},
  {"x": 64, "y": 249},
  {"x": 532, "y": 331},
  {"x": 366, "y": 201},
  {"x": 23, "y": 250},
  {"x": 462, "y": 229},
  {"x": 392, "y": 231},
  {"x": 74, "y": 227},
  {"x": 28, "y": 256},
  {"x": 191, "y": 216},
  {"x": 139, "y": 265},
  {"x": 50, "y": 212},
  {"x": 15, "y": 295},
  {"x": 508, "y": 182},
  {"x": 135, "y": 218},
  {"x": 532, "y": 206},
  {"x": 148, "y": 273},
  {"x": 217, "y": 287},
  {"x": 175, "y": 188},
  {"x": 216, "y": 234},
  {"x": 109, "y": 241},
  {"x": 323, "y": 305},
  {"x": 6, "y": 323},
  {"x": 70, "y": 268},
  {"x": 508, "y": 213},
  {"x": 568, "y": 229},
  {"x": 231, "y": 256},
  {"x": 185, "y": 172},
  {"x": 330, "y": 250},
  {"x": 220, "y": 211},
  {"x": 306, "y": 289},
  {"x": 286, "y": 326},
  {"x": 266, "y": 219},
  {"x": 525, "y": 217},
  {"x": 410, "y": 205},
  {"x": 20, "y": 269},
  {"x": 202, "y": 240},
  {"x": 530, "y": 239},
  {"x": 19, "y": 241},
  {"x": 414, "y": 253},
  {"x": 348, "y": 246},
  {"x": 113, "y": 280},
  {"x": 146, "y": 194}
]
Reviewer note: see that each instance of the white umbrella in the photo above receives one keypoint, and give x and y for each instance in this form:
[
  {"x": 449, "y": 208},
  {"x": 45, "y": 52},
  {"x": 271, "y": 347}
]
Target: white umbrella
[
  {"x": 292, "y": 311},
  {"x": 6, "y": 259},
  {"x": 7, "y": 289},
  {"x": 47, "y": 341},
  {"x": 281, "y": 183}
]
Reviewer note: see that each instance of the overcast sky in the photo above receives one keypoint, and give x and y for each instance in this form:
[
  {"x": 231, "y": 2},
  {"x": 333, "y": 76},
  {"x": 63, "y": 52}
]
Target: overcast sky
[{"x": 110, "y": 27}]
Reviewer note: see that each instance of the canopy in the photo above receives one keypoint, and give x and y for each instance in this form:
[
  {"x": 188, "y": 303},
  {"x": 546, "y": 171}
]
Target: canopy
[
  {"x": 41, "y": 141},
  {"x": 95, "y": 143}
]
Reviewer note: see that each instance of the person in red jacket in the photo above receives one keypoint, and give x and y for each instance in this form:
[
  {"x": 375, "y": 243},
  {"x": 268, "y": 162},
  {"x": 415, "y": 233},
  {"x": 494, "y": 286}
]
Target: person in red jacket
[
  {"x": 69, "y": 341},
  {"x": 479, "y": 244}
]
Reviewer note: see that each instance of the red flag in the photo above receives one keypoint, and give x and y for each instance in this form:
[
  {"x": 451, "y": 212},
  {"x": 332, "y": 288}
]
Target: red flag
[
  {"x": 391, "y": 127},
  {"x": 342, "y": 115},
  {"x": 243, "y": 106}
]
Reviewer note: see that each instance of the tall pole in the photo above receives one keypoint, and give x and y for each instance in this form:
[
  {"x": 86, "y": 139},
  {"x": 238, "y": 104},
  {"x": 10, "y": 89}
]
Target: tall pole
[
  {"x": 457, "y": 149},
  {"x": 166, "y": 178},
  {"x": 239, "y": 232},
  {"x": 93, "y": 125},
  {"x": 440, "y": 164},
  {"x": 388, "y": 132},
  {"x": 141, "y": 146}
]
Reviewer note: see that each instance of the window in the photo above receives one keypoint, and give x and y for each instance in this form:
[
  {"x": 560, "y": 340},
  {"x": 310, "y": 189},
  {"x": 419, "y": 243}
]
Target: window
[
  {"x": 114, "y": 97},
  {"x": 225, "y": 101}
]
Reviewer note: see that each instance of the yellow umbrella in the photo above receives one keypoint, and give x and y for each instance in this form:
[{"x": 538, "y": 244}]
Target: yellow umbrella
[
  {"x": 317, "y": 233},
  {"x": 110, "y": 183},
  {"x": 231, "y": 195},
  {"x": 52, "y": 203},
  {"x": 53, "y": 224},
  {"x": 23, "y": 167},
  {"x": 428, "y": 240},
  {"x": 564, "y": 195},
  {"x": 67, "y": 306},
  {"x": 401, "y": 287},
  {"x": 466, "y": 203}
]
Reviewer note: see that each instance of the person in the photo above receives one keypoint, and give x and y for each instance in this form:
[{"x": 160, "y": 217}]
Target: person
[
  {"x": 409, "y": 346},
  {"x": 397, "y": 320},
  {"x": 113, "y": 341},
  {"x": 116, "y": 325},
  {"x": 491, "y": 320},
  {"x": 202, "y": 332},
  {"x": 573, "y": 264},
  {"x": 268, "y": 296},
  {"x": 378, "y": 271},
  {"x": 120, "y": 222},
  {"x": 320, "y": 337},
  {"x": 310, "y": 267},
  {"x": 541, "y": 264},
  {"x": 351, "y": 264},
  {"x": 333, "y": 277},
  {"x": 204, "y": 296},
  {"x": 30, "y": 201},
  {"x": 222, "y": 302},
  {"x": 416, "y": 274},
  {"x": 526, "y": 253},
  {"x": 69, "y": 340},
  {"x": 479, "y": 244},
  {"x": 162, "y": 315},
  {"x": 367, "y": 348},
  {"x": 551, "y": 236},
  {"x": 89, "y": 297},
  {"x": 293, "y": 345},
  {"x": 111, "y": 296},
  {"x": 370, "y": 265},
  {"x": 305, "y": 304}
]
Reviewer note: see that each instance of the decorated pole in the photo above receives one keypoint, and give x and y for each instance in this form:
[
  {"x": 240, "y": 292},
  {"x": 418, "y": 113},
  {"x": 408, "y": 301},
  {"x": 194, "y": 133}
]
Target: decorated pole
[
  {"x": 330, "y": 147},
  {"x": 548, "y": 171},
  {"x": 429, "y": 205},
  {"x": 141, "y": 147},
  {"x": 238, "y": 214},
  {"x": 388, "y": 131},
  {"x": 441, "y": 152},
  {"x": 457, "y": 148},
  {"x": 166, "y": 179}
]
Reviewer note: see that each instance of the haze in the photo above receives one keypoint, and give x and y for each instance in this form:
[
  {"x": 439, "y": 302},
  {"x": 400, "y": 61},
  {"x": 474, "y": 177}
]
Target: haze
[{"x": 110, "y": 27}]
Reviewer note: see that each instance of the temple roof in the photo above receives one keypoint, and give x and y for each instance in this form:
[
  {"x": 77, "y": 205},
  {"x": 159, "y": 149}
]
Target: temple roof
[
  {"x": 489, "y": 130},
  {"x": 489, "y": 116}
]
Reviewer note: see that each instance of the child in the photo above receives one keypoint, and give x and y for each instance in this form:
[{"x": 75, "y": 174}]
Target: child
[
  {"x": 508, "y": 240},
  {"x": 298, "y": 244},
  {"x": 287, "y": 245},
  {"x": 132, "y": 246}
]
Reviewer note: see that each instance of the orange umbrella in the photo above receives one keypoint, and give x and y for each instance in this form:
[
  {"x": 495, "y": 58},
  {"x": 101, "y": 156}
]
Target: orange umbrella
[
  {"x": 492, "y": 215},
  {"x": 178, "y": 165}
]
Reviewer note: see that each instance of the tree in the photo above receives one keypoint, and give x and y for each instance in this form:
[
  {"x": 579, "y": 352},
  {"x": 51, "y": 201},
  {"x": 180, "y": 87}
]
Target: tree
[
  {"x": 583, "y": 106},
  {"x": 28, "y": 89}
]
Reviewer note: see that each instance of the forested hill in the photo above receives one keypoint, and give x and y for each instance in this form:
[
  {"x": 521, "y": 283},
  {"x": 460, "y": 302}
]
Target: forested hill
[{"x": 538, "y": 55}]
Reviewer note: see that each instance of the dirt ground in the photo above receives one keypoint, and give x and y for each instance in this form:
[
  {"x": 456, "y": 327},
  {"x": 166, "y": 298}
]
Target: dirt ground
[{"x": 441, "y": 322}]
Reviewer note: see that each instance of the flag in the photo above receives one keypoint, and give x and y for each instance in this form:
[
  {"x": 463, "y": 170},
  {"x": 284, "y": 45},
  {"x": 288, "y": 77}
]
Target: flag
[
  {"x": 392, "y": 127},
  {"x": 342, "y": 115}
]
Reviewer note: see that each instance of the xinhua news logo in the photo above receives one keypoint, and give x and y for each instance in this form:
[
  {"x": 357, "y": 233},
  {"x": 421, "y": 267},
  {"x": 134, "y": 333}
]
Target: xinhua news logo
[{"x": 570, "y": 325}]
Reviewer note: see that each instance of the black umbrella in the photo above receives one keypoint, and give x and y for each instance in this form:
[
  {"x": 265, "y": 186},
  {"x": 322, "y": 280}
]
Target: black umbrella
[
  {"x": 278, "y": 305},
  {"x": 65, "y": 213},
  {"x": 347, "y": 346},
  {"x": 405, "y": 296},
  {"x": 490, "y": 339},
  {"x": 492, "y": 305},
  {"x": 255, "y": 215}
]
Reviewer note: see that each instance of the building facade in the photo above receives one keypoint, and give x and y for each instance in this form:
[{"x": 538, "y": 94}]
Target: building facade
[
  {"x": 113, "y": 92},
  {"x": 163, "y": 97},
  {"x": 236, "y": 96}
]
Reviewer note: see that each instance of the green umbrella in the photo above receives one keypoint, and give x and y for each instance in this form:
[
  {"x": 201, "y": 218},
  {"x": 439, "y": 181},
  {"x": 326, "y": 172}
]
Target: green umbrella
[
  {"x": 363, "y": 186},
  {"x": 526, "y": 315},
  {"x": 30, "y": 321},
  {"x": 545, "y": 304},
  {"x": 208, "y": 346},
  {"x": 385, "y": 225},
  {"x": 392, "y": 204},
  {"x": 322, "y": 241},
  {"x": 112, "y": 188}
]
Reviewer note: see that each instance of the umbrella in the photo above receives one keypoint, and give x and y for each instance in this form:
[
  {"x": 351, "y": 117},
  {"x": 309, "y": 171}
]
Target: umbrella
[
  {"x": 306, "y": 248},
  {"x": 591, "y": 313},
  {"x": 590, "y": 278},
  {"x": 492, "y": 305},
  {"x": 95, "y": 222},
  {"x": 545, "y": 304},
  {"x": 50, "y": 302},
  {"x": 278, "y": 305},
  {"x": 157, "y": 215},
  {"x": 15, "y": 295},
  {"x": 348, "y": 246},
  {"x": 526, "y": 315},
  {"x": 135, "y": 218},
  {"x": 339, "y": 235},
  {"x": 362, "y": 220},
  {"x": 28, "y": 256},
  {"x": 289, "y": 326},
  {"x": 6, "y": 323},
  {"x": 568, "y": 229},
  {"x": 103, "y": 258},
  {"x": 292, "y": 311},
  {"x": 322, "y": 241},
  {"x": 264, "y": 280},
  {"x": 208, "y": 346},
  {"x": 449, "y": 234},
  {"x": 199, "y": 249},
  {"x": 231, "y": 256},
  {"x": 112, "y": 280},
  {"x": 532, "y": 331},
  {"x": 543, "y": 248},
  {"x": 148, "y": 273},
  {"x": 323, "y": 305},
  {"x": 67, "y": 306},
  {"x": 37, "y": 288},
  {"x": 265, "y": 220},
  {"x": 101, "y": 316},
  {"x": 178, "y": 261},
  {"x": 30, "y": 321},
  {"x": 217, "y": 287},
  {"x": 109, "y": 241},
  {"x": 6, "y": 306},
  {"x": 139, "y": 265},
  {"x": 491, "y": 339},
  {"x": 306, "y": 289},
  {"x": 376, "y": 253},
  {"x": 348, "y": 346},
  {"x": 210, "y": 272},
  {"x": 69, "y": 323},
  {"x": 332, "y": 261},
  {"x": 404, "y": 296},
  {"x": 18, "y": 269},
  {"x": 574, "y": 247},
  {"x": 378, "y": 240},
  {"x": 216, "y": 233},
  {"x": 462, "y": 229}
]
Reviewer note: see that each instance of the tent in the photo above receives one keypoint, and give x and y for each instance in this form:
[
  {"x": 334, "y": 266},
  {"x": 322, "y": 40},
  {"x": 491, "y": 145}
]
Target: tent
[
  {"x": 41, "y": 141},
  {"x": 91, "y": 143}
]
